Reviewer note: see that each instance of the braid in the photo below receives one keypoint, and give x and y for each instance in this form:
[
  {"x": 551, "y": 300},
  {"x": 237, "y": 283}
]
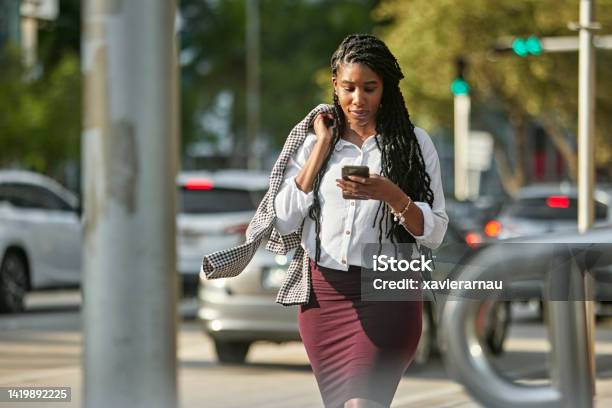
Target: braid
[
  {"x": 401, "y": 156},
  {"x": 314, "y": 212}
]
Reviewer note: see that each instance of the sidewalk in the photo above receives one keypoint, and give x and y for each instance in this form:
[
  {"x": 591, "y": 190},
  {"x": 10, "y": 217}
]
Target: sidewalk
[{"x": 45, "y": 349}]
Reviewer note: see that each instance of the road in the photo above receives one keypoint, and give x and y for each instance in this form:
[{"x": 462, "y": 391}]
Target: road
[{"x": 43, "y": 347}]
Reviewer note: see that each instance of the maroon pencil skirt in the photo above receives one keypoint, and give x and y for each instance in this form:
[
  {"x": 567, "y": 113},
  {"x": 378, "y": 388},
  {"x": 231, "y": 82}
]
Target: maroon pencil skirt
[{"x": 357, "y": 349}]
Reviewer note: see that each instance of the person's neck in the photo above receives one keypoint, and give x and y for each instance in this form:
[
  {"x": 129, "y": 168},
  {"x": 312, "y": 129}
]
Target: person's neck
[{"x": 361, "y": 133}]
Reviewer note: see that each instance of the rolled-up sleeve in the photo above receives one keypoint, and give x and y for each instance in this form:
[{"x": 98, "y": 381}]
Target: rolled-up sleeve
[
  {"x": 435, "y": 219},
  {"x": 291, "y": 204}
]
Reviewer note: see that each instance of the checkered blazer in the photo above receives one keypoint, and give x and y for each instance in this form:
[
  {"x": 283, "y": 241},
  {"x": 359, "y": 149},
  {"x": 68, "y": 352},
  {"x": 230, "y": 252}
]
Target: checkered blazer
[{"x": 231, "y": 262}]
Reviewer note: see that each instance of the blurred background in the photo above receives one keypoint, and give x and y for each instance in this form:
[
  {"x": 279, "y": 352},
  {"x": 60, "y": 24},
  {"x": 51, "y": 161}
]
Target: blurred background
[
  {"x": 527, "y": 104},
  {"x": 249, "y": 71}
]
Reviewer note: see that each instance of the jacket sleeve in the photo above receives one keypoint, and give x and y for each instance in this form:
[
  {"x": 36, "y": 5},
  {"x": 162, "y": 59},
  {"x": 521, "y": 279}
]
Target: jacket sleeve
[
  {"x": 435, "y": 219},
  {"x": 291, "y": 204}
]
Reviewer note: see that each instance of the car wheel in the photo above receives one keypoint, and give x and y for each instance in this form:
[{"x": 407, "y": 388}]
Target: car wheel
[
  {"x": 232, "y": 352},
  {"x": 13, "y": 283},
  {"x": 425, "y": 348},
  {"x": 497, "y": 328}
]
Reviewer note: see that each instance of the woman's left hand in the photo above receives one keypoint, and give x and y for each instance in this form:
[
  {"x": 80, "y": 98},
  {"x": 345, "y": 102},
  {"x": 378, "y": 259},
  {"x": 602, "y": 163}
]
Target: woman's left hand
[{"x": 375, "y": 187}]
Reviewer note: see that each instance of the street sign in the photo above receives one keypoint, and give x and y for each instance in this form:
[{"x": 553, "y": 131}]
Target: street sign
[
  {"x": 40, "y": 9},
  {"x": 480, "y": 150}
]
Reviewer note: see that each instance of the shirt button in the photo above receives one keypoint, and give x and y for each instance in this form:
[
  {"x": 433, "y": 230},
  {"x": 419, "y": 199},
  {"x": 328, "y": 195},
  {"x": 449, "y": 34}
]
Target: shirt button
[
  {"x": 344, "y": 262},
  {"x": 348, "y": 232},
  {"x": 352, "y": 203}
]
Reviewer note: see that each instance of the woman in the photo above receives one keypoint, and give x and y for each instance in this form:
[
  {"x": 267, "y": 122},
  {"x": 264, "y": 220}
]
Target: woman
[{"x": 359, "y": 349}]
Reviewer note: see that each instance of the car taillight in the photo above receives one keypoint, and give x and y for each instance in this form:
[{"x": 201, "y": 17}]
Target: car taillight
[
  {"x": 558, "y": 202},
  {"x": 236, "y": 229},
  {"x": 199, "y": 184},
  {"x": 492, "y": 228},
  {"x": 473, "y": 239}
]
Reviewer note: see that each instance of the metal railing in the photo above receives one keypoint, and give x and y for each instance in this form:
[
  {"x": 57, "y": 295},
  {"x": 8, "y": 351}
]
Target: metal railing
[{"x": 572, "y": 384}]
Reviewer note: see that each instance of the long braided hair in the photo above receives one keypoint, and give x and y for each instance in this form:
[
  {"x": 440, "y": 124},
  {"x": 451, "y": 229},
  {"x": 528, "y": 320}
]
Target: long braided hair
[{"x": 401, "y": 157}]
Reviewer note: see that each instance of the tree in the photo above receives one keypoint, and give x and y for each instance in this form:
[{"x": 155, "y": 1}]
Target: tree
[
  {"x": 40, "y": 121},
  {"x": 40, "y": 124},
  {"x": 427, "y": 36},
  {"x": 297, "y": 40}
]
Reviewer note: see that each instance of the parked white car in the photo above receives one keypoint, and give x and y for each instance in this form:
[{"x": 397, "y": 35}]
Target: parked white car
[
  {"x": 213, "y": 212},
  {"x": 236, "y": 312},
  {"x": 40, "y": 227},
  {"x": 40, "y": 236}
]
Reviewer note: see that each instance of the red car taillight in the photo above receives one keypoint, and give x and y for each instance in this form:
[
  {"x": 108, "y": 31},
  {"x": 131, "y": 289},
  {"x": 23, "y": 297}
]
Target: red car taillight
[
  {"x": 558, "y": 202},
  {"x": 473, "y": 239},
  {"x": 199, "y": 184}
]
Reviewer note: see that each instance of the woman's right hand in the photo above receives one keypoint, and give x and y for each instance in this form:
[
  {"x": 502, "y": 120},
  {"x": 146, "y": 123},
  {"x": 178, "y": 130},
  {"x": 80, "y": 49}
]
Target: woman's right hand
[
  {"x": 325, "y": 136},
  {"x": 324, "y": 133}
]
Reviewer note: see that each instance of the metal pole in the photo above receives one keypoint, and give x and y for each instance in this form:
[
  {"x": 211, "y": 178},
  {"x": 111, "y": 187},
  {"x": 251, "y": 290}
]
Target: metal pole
[
  {"x": 253, "y": 91},
  {"x": 586, "y": 153},
  {"x": 130, "y": 146},
  {"x": 29, "y": 41},
  {"x": 586, "y": 116},
  {"x": 462, "y": 128}
]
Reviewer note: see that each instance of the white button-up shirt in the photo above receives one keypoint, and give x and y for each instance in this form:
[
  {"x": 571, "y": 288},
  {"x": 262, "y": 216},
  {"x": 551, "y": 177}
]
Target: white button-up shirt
[{"x": 348, "y": 224}]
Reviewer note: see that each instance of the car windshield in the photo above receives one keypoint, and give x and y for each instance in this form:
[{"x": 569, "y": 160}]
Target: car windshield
[
  {"x": 218, "y": 200},
  {"x": 545, "y": 209}
]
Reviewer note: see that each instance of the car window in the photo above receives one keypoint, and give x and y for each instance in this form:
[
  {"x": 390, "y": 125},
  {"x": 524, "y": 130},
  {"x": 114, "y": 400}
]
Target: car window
[
  {"x": 539, "y": 209},
  {"x": 34, "y": 197},
  {"x": 218, "y": 200}
]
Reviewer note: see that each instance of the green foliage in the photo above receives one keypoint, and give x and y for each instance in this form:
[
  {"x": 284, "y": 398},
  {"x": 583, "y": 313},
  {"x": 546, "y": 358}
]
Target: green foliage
[
  {"x": 427, "y": 36},
  {"x": 297, "y": 40},
  {"x": 40, "y": 120}
]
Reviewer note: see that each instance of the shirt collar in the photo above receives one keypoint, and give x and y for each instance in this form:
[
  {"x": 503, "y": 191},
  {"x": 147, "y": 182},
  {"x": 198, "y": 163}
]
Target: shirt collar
[{"x": 368, "y": 144}]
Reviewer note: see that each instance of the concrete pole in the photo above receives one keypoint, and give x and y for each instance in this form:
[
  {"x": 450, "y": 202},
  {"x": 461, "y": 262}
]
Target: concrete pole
[
  {"x": 253, "y": 87},
  {"x": 130, "y": 155},
  {"x": 586, "y": 154},
  {"x": 462, "y": 129}
]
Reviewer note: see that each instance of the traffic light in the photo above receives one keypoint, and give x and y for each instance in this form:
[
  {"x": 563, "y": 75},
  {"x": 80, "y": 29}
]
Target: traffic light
[
  {"x": 527, "y": 46},
  {"x": 460, "y": 85}
]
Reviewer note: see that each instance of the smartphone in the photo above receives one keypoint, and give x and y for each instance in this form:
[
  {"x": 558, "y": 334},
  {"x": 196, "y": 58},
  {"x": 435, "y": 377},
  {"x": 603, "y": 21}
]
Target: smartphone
[{"x": 361, "y": 171}]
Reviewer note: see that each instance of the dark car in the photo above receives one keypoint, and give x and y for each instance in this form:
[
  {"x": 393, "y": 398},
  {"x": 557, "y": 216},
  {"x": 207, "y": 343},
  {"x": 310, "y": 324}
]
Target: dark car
[{"x": 543, "y": 208}]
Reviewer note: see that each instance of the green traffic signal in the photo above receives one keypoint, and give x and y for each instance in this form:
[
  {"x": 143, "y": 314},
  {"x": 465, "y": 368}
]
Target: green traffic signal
[
  {"x": 460, "y": 87},
  {"x": 519, "y": 47},
  {"x": 529, "y": 46},
  {"x": 534, "y": 45}
]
